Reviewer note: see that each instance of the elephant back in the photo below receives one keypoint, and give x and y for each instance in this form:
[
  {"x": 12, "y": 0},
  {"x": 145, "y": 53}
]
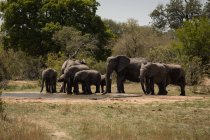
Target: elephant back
[
  {"x": 71, "y": 71},
  {"x": 69, "y": 63},
  {"x": 175, "y": 73},
  {"x": 49, "y": 73}
]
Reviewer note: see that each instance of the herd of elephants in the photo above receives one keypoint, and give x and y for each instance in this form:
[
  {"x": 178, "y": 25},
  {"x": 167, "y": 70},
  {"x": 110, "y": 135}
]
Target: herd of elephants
[{"x": 138, "y": 70}]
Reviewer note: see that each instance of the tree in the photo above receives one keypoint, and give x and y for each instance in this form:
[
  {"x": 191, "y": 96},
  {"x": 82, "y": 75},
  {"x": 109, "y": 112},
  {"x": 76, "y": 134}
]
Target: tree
[
  {"x": 195, "y": 38},
  {"x": 28, "y": 25},
  {"x": 173, "y": 14},
  {"x": 73, "y": 41},
  {"x": 116, "y": 28},
  {"x": 136, "y": 40}
]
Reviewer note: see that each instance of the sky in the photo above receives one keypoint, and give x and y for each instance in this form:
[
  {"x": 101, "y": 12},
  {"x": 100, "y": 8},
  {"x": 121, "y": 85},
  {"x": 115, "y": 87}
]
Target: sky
[{"x": 121, "y": 10}]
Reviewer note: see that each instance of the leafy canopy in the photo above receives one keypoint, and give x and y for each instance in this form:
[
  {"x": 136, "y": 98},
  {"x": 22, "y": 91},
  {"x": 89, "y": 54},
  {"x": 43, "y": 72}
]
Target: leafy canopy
[
  {"x": 195, "y": 38},
  {"x": 29, "y": 25},
  {"x": 173, "y": 14}
]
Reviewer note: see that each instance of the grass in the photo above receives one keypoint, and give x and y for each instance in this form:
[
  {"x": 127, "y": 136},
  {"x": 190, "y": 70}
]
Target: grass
[
  {"x": 188, "y": 119},
  {"x": 112, "y": 121},
  {"x": 20, "y": 129}
]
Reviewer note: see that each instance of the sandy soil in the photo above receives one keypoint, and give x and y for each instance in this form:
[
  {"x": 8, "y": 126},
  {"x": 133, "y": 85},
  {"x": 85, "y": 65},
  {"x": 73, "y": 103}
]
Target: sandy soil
[{"x": 62, "y": 98}]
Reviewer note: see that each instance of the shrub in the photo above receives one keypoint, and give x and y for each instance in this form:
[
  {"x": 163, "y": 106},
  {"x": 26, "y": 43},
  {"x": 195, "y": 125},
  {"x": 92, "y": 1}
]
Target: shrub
[
  {"x": 2, "y": 108},
  {"x": 55, "y": 61},
  {"x": 18, "y": 65}
]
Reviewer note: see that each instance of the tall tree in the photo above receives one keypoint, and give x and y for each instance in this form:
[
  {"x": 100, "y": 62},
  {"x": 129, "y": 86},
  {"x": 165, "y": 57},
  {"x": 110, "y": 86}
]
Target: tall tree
[
  {"x": 195, "y": 38},
  {"x": 136, "y": 41},
  {"x": 173, "y": 14},
  {"x": 29, "y": 24}
]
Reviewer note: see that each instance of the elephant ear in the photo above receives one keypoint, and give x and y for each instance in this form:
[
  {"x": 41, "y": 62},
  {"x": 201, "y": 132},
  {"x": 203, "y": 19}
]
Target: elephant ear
[{"x": 123, "y": 62}]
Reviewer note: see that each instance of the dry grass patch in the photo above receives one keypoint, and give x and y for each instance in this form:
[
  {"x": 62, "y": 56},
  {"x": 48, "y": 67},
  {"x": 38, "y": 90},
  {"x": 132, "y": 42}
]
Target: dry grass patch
[
  {"x": 93, "y": 121},
  {"x": 19, "y": 129}
]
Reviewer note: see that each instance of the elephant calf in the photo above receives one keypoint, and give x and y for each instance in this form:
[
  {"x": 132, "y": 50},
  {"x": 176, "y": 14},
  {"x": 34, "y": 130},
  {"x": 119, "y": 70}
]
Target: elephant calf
[
  {"x": 49, "y": 77},
  {"x": 87, "y": 78}
]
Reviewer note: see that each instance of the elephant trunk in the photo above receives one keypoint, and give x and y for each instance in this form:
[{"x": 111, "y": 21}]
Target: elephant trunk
[
  {"x": 42, "y": 86},
  {"x": 142, "y": 86},
  {"x": 108, "y": 81}
]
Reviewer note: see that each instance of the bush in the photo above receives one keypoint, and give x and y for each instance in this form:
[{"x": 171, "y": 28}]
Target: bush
[
  {"x": 55, "y": 61},
  {"x": 18, "y": 65},
  {"x": 2, "y": 108}
]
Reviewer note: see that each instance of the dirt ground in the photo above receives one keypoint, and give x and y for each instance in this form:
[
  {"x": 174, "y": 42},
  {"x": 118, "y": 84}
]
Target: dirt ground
[
  {"x": 62, "y": 98},
  {"x": 138, "y": 98}
]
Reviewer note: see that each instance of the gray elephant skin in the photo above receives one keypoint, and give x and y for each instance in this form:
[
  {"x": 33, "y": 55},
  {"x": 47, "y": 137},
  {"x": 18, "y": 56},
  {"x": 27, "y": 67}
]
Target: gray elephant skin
[
  {"x": 125, "y": 68},
  {"x": 49, "y": 78},
  {"x": 162, "y": 75},
  {"x": 66, "y": 64},
  {"x": 103, "y": 82},
  {"x": 69, "y": 74},
  {"x": 87, "y": 78}
]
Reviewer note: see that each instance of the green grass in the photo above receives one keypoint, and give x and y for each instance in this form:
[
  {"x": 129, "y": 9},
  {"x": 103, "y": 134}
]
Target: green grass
[{"x": 112, "y": 121}]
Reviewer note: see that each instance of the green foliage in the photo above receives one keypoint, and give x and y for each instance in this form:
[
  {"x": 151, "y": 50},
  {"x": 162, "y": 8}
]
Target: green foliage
[
  {"x": 195, "y": 38},
  {"x": 29, "y": 24},
  {"x": 55, "y": 61},
  {"x": 174, "y": 13},
  {"x": 73, "y": 41},
  {"x": 136, "y": 40},
  {"x": 171, "y": 54},
  {"x": 18, "y": 65}
]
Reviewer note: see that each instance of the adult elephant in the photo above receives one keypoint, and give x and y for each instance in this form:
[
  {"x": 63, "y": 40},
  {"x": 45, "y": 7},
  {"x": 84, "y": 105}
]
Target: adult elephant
[
  {"x": 69, "y": 74},
  {"x": 125, "y": 68},
  {"x": 66, "y": 64},
  {"x": 162, "y": 75},
  {"x": 49, "y": 77},
  {"x": 87, "y": 78}
]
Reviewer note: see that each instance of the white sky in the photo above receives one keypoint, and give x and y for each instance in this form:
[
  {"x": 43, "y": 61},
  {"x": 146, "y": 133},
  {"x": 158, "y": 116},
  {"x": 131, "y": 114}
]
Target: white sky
[{"x": 121, "y": 10}]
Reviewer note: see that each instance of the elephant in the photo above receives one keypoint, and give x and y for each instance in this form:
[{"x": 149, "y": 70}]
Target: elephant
[
  {"x": 125, "y": 68},
  {"x": 103, "y": 82},
  {"x": 162, "y": 75},
  {"x": 69, "y": 74},
  {"x": 49, "y": 77},
  {"x": 66, "y": 64},
  {"x": 87, "y": 78}
]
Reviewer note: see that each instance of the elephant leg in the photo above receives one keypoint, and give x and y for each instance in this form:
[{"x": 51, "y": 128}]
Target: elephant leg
[
  {"x": 102, "y": 88},
  {"x": 152, "y": 86},
  {"x": 161, "y": 91},
  {"x": 54, "y": 86},
  {"x": 120, "y": 86},
  {"x": 76, "y": 87},
  {"x": 88, "y": 86},
  {"x": 182, "y": 86},
  {"x": 83, "y": 88},
  {"x": 69, "y": 87},
  {"x": 97, "y": 88},
  {"x": 64, "y": 87},
  {"x": 47, "y": 86}
]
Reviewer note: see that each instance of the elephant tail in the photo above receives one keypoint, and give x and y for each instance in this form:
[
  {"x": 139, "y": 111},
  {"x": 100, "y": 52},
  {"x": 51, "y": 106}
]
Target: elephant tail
[{"x": 42, "y": 86}]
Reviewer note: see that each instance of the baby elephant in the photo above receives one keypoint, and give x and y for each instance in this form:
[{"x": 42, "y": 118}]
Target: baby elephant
[
  {"x": 103, "y": 82},
  {"x": 87, "y": 78},
  {"x": 49, "y": 77}
]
